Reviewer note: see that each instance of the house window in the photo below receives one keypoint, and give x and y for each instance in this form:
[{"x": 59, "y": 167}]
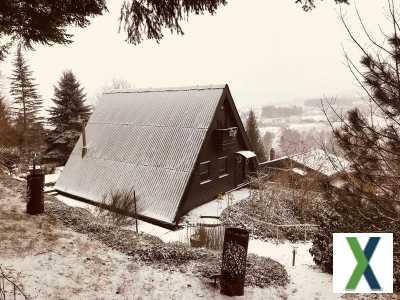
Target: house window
[
  {"x": 204, "y": 171},
  {"x": 222, "y": 166}
]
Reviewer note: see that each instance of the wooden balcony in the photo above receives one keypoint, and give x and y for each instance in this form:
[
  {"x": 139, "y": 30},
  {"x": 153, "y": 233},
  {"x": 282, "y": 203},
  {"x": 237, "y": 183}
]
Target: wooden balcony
[{"x": 225, "y": 138}]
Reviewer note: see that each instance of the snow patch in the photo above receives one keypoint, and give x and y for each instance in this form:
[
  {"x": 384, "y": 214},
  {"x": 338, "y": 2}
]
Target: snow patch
[{"x": 306, "y": 280}]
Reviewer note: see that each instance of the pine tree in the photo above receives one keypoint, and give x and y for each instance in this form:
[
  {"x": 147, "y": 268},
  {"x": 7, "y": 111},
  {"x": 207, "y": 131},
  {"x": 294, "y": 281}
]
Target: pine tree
[
  {"x": 26, "y": 106},
  {"x": 369, "y": 201},
  {"x": 46, "y": 22},
  {"x": 254, "y": 136},
  {"x": 66, "y": 116},
  {"x": 8, "y": 155},
  {"x": 268, "y": 140},
  {"x": 5, "y": 124}
]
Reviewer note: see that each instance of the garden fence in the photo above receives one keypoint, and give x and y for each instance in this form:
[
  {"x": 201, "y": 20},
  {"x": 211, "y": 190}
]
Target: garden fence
[{"x": 210, "y": 236}]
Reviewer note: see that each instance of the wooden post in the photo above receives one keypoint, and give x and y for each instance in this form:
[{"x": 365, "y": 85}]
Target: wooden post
[
  {"x": 294, "y": 256},
  {"x": 136, "y": 221}
]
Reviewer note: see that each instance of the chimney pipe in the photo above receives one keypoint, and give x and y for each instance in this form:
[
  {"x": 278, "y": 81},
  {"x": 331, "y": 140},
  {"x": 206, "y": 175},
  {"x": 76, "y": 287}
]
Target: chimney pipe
[
  {"x": 84, "y": 147},
  {"x": 272, "y": 154}
]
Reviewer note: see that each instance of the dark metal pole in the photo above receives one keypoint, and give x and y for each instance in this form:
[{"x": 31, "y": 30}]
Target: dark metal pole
[
  {"x": 34, "y": 164},
  {"x": 84, "y": 147},
  {"x": 294, "y": 256},
  {"x": 136, "y": 221}
]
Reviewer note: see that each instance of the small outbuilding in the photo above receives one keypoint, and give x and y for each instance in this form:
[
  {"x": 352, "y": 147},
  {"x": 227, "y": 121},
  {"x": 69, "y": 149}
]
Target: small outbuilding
[
  {"x": 178, "y": 148},
  {"x": 314, "y": 167}
]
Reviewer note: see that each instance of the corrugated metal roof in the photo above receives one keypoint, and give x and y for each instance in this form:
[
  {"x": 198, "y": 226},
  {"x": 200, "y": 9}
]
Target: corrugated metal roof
[{"x": 148, "y": 140}]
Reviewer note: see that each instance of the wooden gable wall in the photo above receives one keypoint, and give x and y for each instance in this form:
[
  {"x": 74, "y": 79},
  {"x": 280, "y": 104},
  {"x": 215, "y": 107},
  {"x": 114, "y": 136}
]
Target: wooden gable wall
[{"x": 199, "y": 190}]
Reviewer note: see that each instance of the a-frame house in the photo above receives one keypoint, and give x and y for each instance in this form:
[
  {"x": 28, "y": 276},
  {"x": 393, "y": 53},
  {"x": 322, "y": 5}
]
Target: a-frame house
[{"x": 178, "y": 148}]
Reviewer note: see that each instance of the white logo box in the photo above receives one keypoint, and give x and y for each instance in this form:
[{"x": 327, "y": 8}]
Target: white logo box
[{"x": 344, "y": 262}]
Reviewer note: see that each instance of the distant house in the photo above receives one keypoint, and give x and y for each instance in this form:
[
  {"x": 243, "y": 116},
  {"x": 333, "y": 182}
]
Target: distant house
[
  {"x": 178, "y": 148},
  {"x": 306, "y": 167}
]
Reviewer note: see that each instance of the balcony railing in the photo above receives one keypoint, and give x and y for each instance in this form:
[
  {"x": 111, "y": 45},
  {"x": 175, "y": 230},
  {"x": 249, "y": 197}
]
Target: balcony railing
[{"x": 225, "y": 138}]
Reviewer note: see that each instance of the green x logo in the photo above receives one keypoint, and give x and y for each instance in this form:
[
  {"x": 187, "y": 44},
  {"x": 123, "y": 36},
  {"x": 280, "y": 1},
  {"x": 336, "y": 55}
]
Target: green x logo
[{"x": 363, "y": 268}]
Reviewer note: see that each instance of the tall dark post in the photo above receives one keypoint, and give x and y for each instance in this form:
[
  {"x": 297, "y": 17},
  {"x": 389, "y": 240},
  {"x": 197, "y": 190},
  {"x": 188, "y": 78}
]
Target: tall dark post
[
  {"x": 84, "y": 147},
  {"x": 234, "y": 255},
  {"x": 294, "y": 256},
  {"x": 35, "y": 186},
  {"x": 136, "y": 221}
]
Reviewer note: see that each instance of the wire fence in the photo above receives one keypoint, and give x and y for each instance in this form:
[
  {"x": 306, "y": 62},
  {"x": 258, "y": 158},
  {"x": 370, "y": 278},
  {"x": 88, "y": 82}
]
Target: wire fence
[
  {"x": 305, "y": 227},
  {"x": 211, "y": 236},
  {"x": 9, "y": 289}
]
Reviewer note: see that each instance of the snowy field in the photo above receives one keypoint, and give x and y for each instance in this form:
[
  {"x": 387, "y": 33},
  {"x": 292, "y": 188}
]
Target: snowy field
[{"x": 50, "y": 261}]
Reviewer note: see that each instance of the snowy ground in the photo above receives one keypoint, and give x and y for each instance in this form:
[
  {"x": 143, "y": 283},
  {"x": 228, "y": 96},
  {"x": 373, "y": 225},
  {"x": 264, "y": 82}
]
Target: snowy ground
[
  {"x": 306, "y": 280},
  {"x": 49, "y": 261},
  {"x": 216, "y": 207},
  {"x": 213, "y": 208},
  {"x": 51, "y": 179}
]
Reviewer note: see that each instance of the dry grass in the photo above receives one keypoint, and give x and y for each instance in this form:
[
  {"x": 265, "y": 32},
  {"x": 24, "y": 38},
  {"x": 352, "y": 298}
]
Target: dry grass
[
  {"x": 113, "y": 204},
  {"x": 48, "y": 259},
  {"x": 19, "y": 231}
]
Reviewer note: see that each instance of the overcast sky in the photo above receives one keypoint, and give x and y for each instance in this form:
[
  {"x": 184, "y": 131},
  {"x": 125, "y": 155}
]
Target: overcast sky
[{"x": 267, "y": 51}]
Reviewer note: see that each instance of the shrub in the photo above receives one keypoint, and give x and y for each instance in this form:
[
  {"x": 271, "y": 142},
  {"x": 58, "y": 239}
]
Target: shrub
[
  {"x": 343, "y": 213},
  {"x": 268, "y": 206},
  {"x": 9, "y": 158},
  {"x": 118, "y": 207}
]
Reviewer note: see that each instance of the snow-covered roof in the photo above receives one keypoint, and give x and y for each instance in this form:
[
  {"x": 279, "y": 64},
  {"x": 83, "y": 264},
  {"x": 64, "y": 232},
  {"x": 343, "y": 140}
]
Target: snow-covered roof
[
  {"x": 148, "y": 140},
  {"x": 321, "y": 161},
  {"x": 317, "y": 160},
  {"x": 299, "y": 171},
  {"x": 246, "y": 153},
  {"x": 167, "y": 89}
]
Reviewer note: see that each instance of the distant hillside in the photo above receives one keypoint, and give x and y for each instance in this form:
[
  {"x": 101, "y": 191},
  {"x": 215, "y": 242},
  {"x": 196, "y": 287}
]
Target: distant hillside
[
  {"x": 272, "y": 111},
  {"x": 343, "y": 101}
]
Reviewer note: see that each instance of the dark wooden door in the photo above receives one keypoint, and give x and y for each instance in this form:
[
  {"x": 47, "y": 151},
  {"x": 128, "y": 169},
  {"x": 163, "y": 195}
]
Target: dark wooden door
[{"x": 239, "y": 169}]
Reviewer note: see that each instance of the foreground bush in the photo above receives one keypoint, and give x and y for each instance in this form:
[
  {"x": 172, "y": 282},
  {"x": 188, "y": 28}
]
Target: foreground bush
[
  {"x": 148, "y": 249},
  {"x": 275, "y": 206},
  {"x": 343, "y": 213},
  {"x": 114, "y": 203}
]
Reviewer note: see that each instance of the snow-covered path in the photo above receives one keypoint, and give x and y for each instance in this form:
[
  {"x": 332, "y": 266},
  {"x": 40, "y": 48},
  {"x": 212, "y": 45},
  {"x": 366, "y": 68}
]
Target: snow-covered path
[{"x": 307, "y": 282}]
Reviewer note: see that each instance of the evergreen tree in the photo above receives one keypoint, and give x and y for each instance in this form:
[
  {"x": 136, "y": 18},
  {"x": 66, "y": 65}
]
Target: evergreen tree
[
  {"x": 6, "y": 136},
  {"x": 369, "y": 202},
  {"x": 66, "y": 116},
  {"x": 310, "y": 4},
  {"x": 254, "y": 136},
  {"x": 46, "y": 21},
  {"x": 8, "y": 155},
  {"x": 26, "y": 106}
]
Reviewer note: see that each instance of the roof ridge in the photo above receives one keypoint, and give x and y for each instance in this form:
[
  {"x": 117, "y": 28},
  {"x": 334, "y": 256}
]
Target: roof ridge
[{"x": 168, "y": 89}]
